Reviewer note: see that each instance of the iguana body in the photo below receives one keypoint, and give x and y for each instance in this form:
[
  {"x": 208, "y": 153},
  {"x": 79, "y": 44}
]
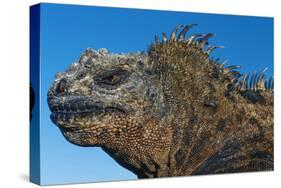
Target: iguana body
[{"x": 169, "y": 112}]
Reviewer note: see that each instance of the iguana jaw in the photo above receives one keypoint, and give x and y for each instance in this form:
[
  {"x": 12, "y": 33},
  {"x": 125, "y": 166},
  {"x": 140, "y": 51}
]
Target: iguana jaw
[{"x": 78, "y": 112}]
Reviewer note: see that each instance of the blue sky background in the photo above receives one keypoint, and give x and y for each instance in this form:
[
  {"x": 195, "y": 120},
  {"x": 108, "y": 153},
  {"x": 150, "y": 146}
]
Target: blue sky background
[{"x": 66, "y": 31}]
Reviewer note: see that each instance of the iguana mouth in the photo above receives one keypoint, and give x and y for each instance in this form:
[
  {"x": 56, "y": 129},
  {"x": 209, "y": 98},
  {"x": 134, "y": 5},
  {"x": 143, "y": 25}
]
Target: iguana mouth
[{"x": 70, "y": 110}]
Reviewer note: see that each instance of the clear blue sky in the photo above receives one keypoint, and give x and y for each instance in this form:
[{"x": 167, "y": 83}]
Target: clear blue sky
[{"x": 66, "y": 31}]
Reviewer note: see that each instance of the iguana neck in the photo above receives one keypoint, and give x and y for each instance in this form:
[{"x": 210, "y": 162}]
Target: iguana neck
[{"x": 145, "y": 152}]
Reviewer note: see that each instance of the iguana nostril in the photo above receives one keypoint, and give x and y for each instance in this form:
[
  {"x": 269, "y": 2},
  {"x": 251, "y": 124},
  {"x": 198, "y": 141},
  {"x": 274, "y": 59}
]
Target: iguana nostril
[{"x": 61, "y": 87}]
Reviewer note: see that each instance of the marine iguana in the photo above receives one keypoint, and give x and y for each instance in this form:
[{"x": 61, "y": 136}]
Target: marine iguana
[{"x": 171, "y": 111}]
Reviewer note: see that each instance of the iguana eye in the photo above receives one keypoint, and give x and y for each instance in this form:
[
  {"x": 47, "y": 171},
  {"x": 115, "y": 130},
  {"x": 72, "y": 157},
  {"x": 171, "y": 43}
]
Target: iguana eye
[{"x": 111, "y": 78}]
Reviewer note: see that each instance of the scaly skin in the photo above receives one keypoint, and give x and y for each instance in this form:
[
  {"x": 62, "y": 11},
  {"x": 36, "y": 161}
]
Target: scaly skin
[{"x": 170, "y": 112}]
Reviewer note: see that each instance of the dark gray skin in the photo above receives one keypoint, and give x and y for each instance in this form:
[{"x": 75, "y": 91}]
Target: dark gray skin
[{"x": 169, "y": 112}]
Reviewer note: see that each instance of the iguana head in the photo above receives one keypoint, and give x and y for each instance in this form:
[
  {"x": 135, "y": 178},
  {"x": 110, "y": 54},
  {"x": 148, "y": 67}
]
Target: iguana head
[{"x": 102, "y": 96}]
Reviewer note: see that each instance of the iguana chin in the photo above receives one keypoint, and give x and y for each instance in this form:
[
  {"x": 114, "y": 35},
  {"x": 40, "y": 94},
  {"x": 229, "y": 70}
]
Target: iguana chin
[{"x": 172, "y": 111}]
